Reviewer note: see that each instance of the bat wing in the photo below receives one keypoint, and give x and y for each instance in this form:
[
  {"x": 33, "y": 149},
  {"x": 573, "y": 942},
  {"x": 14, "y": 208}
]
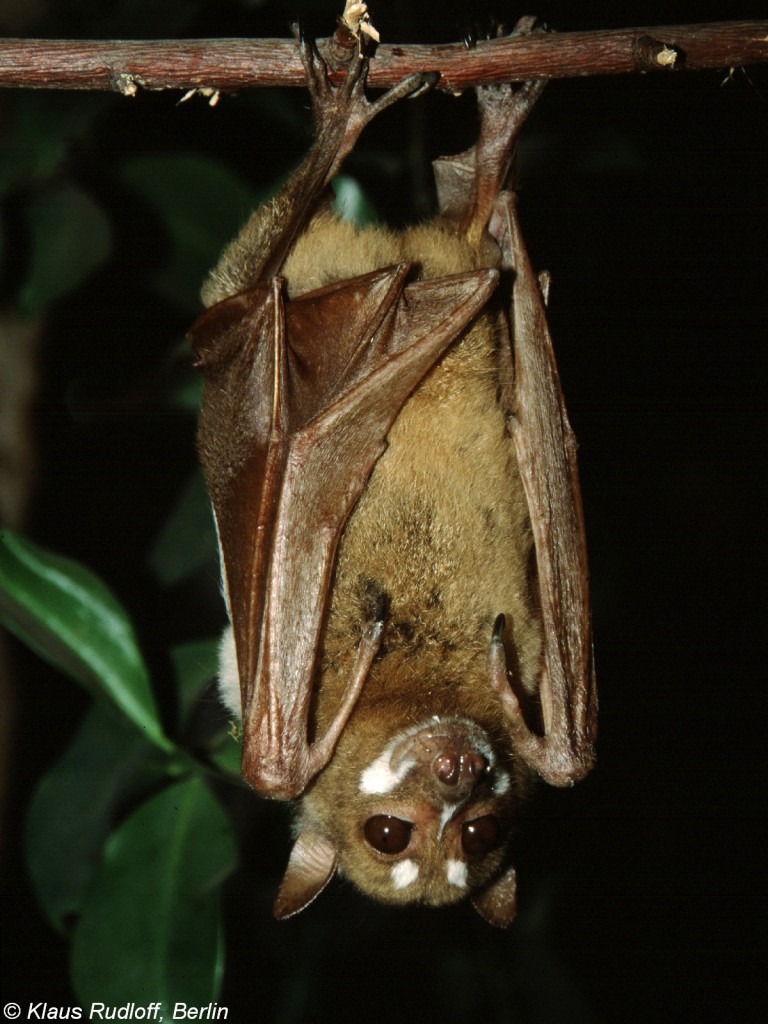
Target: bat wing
[
  {"x": 299, "y": 397},
  {"x": 546, "y": 454}
]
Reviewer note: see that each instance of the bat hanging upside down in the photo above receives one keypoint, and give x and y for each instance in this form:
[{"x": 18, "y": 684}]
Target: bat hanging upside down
[{"x": 394, "y": 484}]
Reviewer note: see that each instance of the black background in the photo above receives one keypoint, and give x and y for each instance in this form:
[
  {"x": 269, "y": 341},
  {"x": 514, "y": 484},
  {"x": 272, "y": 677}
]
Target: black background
[{"x": 642, "y": 889}]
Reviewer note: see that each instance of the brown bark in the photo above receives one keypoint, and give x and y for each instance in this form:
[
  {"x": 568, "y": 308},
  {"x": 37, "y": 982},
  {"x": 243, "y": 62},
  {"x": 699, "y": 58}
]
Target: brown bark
[{"x": 229, "y": 64}]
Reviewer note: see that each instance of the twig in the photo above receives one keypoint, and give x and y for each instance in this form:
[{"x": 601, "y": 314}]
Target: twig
[{"x": 228, "y": 64}]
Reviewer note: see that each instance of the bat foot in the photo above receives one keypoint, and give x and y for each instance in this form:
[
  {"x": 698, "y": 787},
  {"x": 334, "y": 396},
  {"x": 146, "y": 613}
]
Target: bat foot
[
  {"x": 504, "y": 108},
  {"x": 341, "y": 109},
  {"x": 469, "y": 184}
]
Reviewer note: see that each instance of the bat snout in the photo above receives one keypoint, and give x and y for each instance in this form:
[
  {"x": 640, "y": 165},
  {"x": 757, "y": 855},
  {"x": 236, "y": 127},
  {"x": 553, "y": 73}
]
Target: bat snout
[
  {"x": 458, "y": 771},
  {"x": 454, "y": 754}
]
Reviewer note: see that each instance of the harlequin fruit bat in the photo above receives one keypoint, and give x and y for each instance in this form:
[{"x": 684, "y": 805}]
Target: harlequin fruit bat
[{"x": 394, "y": 484}]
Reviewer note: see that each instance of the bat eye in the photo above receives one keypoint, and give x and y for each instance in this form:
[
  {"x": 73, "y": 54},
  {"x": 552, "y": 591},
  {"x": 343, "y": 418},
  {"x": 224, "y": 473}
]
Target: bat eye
[
  {"x": 388, "y": 834},
  {"x": 480, "y": 836}
]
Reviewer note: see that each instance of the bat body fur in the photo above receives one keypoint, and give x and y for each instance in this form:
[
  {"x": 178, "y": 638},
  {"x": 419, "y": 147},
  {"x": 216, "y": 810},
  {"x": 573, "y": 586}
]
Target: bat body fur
[
  {"x": 444, "y": 503},
  {"x": 425, "y": 673}
]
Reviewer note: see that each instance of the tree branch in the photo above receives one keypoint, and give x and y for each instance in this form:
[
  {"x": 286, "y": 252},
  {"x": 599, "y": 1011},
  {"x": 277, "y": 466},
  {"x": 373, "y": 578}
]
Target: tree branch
[{"x": 227, "y": 64}]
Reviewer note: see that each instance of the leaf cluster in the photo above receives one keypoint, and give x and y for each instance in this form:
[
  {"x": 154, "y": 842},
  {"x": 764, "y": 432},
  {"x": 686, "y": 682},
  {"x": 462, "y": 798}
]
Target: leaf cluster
[{"x": 124, "y": 828}]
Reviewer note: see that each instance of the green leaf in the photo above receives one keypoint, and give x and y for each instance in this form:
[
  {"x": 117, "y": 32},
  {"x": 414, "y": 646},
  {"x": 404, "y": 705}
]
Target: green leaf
[
  {"x": 150, "y": 928},
  {"x": 202, "y": 205},
  {"x": 69, "y": 237},
  {"x": 73, "y": 806},
  {"x": 67, "y": 615},
  {"x": 229, "y": 755},
  {"x": 188, "y": 538}
]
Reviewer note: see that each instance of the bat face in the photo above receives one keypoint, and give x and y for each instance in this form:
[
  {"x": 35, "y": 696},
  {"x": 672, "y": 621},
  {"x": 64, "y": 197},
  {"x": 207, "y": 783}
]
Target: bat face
[
  {"x": 394, "y": 485},
  {"x": 427, "y": 820}
]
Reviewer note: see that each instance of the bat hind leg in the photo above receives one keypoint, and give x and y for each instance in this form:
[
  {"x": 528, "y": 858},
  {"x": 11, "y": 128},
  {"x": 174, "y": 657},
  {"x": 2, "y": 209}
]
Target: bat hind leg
[
  {"x": 345, "y": 108},
  {"x": 503, "y": 111}
]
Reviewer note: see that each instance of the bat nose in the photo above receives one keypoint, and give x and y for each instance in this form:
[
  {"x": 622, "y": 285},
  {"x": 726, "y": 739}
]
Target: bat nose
[{"x": 459, "y": 771}]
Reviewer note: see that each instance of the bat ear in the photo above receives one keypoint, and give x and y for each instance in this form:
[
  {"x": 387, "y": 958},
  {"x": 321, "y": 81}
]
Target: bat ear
[
  {"x": 497, "y": 904},
  {"x": 310, "y": 868}
]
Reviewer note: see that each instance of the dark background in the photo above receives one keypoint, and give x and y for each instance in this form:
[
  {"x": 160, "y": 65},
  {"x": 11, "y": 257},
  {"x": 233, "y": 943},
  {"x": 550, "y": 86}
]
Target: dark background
[{"x": 642, "y": 890}]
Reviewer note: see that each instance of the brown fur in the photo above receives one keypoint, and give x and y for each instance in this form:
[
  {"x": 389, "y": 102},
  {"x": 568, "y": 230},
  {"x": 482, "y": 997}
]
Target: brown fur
[{"x": 442, "y": 527}]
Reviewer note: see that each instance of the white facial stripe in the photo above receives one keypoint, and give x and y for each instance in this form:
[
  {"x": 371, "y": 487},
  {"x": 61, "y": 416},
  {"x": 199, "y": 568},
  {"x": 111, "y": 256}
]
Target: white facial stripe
[
  {"x": 378, "y": 778},
  {"x": 404, "y": 873},
  {"x": 456, "y": 871}
]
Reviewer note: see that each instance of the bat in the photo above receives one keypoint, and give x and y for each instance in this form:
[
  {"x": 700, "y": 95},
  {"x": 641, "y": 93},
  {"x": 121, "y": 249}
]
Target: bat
[{"x": 394, "y": 484}]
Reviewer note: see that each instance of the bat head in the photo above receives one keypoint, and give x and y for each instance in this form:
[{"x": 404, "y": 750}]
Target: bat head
[{"x": 426, "y": 820}]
